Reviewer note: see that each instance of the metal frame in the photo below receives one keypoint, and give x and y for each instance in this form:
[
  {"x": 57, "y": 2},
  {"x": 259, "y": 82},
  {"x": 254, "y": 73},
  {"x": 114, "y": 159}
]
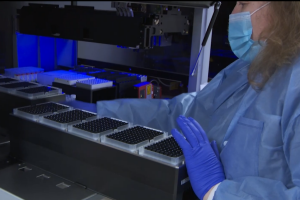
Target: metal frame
[
  {"x": 201, "y": 21},
  {"x": 202, "y": 17}
]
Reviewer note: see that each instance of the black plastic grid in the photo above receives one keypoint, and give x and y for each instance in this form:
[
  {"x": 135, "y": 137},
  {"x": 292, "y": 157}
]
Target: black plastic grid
[
  {"x": 70, "y": 116},
  {"x": 135, "y": 135},
  {"x": 37, "y": 90},
  {"x": 18, "y": 85},
  {"x": 7, "y": 80},
  {"x": 167, "y": 147},
  {"x": 100, "y": 125},
  {"x": 43, "y": 108}
]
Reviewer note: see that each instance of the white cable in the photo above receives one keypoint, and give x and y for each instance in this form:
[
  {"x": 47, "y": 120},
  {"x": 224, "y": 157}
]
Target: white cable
[
  {"x": 155, "y": 82},
  {"x": 163, "y": 83}
]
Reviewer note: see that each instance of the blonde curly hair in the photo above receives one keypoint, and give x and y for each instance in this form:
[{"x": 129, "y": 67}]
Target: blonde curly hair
[{"x": 282, "y": 44}]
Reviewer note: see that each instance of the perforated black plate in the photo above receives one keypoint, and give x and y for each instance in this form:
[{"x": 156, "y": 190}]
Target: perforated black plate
[
  {"x": 7, "y": 80},
  {"x": 70, "y": 116},
  {"x": 37, "y": 90},
  {"x": 18, "y": 85},
  {"x": 43, "y": 108},
  {"x": 168, "y": 147},
  {"x": 135, "y": 135}
]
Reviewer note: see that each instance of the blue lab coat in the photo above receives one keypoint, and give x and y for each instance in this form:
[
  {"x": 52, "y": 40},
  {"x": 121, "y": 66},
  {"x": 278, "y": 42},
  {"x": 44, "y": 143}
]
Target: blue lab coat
[{"x": 258, "y": 133}]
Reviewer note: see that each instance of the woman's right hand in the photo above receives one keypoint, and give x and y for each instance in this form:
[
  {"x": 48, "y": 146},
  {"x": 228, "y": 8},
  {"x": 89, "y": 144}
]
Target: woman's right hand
[{"x": 203, "y": 165}]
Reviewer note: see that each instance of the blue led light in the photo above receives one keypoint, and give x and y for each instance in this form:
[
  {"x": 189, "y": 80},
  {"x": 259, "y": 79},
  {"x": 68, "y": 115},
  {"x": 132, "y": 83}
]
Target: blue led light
[
  {"x": 95, "y": 81},
  {"x": 152, "y": 40},
  {"x": 96, "y": 72},
  {"x": 141, "y": 84},
  {"x": 65, "y": 52},
  {"x": 159, "y": 42},
  {"x": 47, "y": 53},
  {"x": 27, "y": 48},
  {"x": 122, "y": 47}
]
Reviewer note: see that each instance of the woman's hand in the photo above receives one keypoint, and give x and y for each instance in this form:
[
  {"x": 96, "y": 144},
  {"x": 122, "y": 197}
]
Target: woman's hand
[{"x": 204, "y": 167}]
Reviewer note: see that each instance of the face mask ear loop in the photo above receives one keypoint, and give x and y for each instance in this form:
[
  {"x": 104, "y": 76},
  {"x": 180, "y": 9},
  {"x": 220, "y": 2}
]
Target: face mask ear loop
[
  {"x": 260, "y": 8},
  {"x": 269, "y": 36}
]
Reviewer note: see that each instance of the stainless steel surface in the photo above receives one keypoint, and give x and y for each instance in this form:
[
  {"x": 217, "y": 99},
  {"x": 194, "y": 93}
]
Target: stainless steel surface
[
  {"x": 7, "y": 195},
  {"x": 98, "y": 197},
  {"x": 201, "y": 21},
  {"x": 27, "y": 185}
]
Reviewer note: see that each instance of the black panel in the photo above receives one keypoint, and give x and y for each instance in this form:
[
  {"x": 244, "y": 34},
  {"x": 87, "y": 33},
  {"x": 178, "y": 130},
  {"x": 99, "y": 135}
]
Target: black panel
[
  {"x": 68, "y": 89},
  {"x": 126, "y": 89},
  {"x": 32, "y": 185},
  {"x": 92, "y": 96},
  {"x": 86, "y": 24},
  {"x": 118, "y": 174},
  {"x": 142, "y": 94},
  {"x": 193, "y": 4},
  {"x": 81, "y": 23}
]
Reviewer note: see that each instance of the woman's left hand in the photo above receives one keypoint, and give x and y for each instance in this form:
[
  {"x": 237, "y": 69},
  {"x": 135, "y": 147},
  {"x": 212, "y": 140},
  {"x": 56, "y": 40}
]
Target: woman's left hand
[{"x": 204, "y": 168}]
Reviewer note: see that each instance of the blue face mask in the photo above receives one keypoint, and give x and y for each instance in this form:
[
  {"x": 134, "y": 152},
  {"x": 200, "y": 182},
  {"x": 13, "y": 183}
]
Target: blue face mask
[{"x": 239, "y": 36}]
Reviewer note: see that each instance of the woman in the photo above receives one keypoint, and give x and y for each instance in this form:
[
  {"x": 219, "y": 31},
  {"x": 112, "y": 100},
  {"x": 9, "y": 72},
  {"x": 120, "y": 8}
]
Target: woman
[{"x": 251, "y": 109}]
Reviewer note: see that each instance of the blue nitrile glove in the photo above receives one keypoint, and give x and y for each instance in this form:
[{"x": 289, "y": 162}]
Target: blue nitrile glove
[
  {"x": 213, "y": 145},
  {"x": 203, "y": 166}
]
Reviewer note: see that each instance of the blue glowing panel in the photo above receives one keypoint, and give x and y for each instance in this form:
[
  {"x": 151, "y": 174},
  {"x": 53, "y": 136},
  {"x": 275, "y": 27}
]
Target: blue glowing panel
[
  {"x": 47, "y": 53},
  {"x": 27, "y": 48},
  {"x": 159, "y": 42},
  {"x": 65, "y": 50},
  {"x": 141, "y": 84}
]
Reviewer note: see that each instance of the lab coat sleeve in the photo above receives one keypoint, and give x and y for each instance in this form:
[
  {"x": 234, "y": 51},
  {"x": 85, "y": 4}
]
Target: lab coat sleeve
[
  {"x": 263, "y": 188},
  {"x": 161, "y": 113},
  {"x": 155, "y": 113}
]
